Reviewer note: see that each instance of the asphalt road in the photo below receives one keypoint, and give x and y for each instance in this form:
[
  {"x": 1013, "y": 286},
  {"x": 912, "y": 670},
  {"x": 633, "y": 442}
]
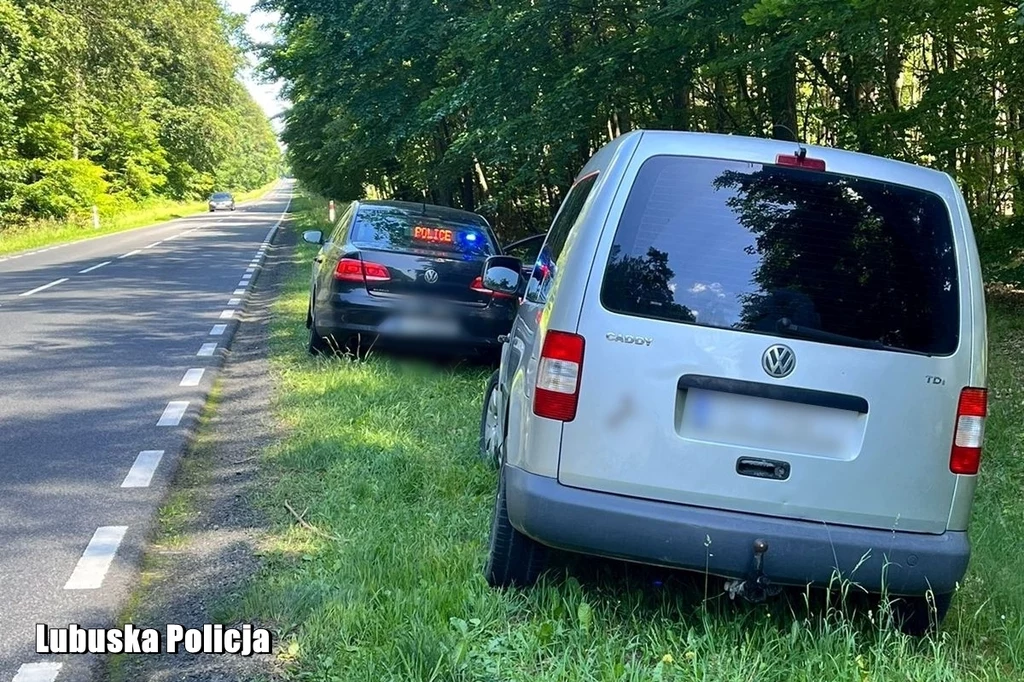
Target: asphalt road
[{"x": 108, "y": 348}]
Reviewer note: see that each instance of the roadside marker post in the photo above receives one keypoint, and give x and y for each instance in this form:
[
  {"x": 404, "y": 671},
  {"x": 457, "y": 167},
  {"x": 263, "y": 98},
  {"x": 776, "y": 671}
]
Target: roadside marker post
[
  {"x": 330, "y": 212},
  {"x": 95, "y": 218}
]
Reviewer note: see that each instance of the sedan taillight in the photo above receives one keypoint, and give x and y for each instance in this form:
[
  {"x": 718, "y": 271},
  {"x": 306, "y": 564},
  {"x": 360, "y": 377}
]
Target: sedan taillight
[{"x": 356, "y": 270}]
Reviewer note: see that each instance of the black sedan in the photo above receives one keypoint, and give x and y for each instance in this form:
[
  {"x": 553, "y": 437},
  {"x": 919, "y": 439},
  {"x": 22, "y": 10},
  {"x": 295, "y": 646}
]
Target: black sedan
[{"x": 409, "y": 273}]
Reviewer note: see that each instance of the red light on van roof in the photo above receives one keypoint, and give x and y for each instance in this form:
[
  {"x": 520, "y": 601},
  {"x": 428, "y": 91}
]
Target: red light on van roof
[{"x": 798, "y": 161}]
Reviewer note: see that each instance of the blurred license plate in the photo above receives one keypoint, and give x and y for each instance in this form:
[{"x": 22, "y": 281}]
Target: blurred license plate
[
  {"x": 767, "y": 424},
  {"x": 404, "y": 325}
]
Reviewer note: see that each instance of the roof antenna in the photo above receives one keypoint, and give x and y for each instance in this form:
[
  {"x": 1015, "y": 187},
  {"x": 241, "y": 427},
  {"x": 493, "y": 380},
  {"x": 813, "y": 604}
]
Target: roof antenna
[{"x": 783, "y": 126}]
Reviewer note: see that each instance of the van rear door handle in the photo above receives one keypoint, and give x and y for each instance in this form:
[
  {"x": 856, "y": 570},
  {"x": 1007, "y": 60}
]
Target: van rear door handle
[{"x": 762, "y": 468}]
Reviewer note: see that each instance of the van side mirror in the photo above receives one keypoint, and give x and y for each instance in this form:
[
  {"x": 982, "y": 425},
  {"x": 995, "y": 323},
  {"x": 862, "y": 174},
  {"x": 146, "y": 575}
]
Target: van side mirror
[
  {"x": 313, "y": 237},
  {"x": 503, "y": 274}
]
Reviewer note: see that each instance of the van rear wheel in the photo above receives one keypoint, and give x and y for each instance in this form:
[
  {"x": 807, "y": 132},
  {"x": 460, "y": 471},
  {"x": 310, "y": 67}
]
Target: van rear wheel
[
  {"x": 918, "y": 616},
  {"x": 513, "y": 560},
  {"x": 491, "y": 426}
]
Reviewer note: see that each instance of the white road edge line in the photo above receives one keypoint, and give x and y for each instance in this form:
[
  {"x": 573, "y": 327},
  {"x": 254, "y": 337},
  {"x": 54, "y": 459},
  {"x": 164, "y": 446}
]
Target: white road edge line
[
  {"x": 154, "y": 244},
  {"x": 192, "y": 377},
  {"x": 173, "y": 413},
  {"x": 38, "y": 672},
  {"x": 130, "y": 253},
  {"x": 95, "y": 267},
  {"x": 45, "y": 286},
  {"x": 218, "y": 329},
  {"x": 141, "y": 473},
  {"x": 207, "y": 350},
  {"x": 96, "y": 560}
]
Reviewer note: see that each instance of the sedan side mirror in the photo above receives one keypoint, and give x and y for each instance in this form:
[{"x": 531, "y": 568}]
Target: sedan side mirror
[
  {"x": 313, "y": 237},
  {"x": 503, "y": 274}
]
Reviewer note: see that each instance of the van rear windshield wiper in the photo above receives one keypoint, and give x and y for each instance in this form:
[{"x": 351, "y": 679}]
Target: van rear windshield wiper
[{"x": 786, "y": 327}]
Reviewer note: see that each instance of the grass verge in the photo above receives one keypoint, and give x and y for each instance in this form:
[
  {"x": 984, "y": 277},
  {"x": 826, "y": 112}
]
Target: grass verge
[
  {"x": 384, "y": 583},
  {"x": 43, "y": 234}
]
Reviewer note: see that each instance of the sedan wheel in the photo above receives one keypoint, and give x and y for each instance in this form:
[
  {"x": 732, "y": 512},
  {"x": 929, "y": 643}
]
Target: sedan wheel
[{"x": 492, "y": 433}]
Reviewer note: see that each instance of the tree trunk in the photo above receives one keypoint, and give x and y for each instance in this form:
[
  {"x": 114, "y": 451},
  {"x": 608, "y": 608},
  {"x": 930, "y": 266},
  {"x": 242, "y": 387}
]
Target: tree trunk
[{"x": 782, "y": 98}]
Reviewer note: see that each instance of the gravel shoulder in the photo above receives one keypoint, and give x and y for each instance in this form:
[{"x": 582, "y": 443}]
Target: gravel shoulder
[{"x": 209, "y": 532}]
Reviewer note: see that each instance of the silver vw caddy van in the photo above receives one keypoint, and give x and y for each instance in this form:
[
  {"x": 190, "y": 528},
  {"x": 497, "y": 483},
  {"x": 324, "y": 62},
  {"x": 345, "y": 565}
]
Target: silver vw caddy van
[{"x": 747, "y": 357}]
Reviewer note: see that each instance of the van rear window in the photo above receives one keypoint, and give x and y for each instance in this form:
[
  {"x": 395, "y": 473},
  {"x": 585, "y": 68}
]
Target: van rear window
[
  {"x": 394, "y": 229},
  {"x": 772, "y": 249}
]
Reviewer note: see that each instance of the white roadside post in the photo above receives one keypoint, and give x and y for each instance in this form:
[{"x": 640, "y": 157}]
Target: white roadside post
[
  {"x": 330, "y": 212},
  {"x": 95, "y": 218}
]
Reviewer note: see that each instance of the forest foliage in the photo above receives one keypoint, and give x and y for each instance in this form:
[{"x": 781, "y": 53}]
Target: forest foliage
[
  {"x": 115, "y": 102},
  {"x": 494, "y": 106}
]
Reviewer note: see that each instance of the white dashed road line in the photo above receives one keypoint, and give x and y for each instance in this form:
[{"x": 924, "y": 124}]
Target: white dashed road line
[
  {"x": 235, "y": 301},
  {"x": 227, "y": 315},
  {"x": 218, "y": 329},
  {"x": 38, "y": 672},
  {"x": 192, "y": 377},
  {"x": 96, "y": 560},
  {"x": 130, "y": 253},
  {"x": 141, "y": 473},
  {"x": 173, "y": 413},
  {"x": 95, "y": 267},
  {"x": 207, "y": 350},
  {"x": 239, "y": 292},
  {"x": 45, "y": 287}
]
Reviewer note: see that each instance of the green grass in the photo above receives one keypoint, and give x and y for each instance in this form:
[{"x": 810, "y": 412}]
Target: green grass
[
  {"x": 38, "y": 235},
  {"x": 386, "y": 584}
]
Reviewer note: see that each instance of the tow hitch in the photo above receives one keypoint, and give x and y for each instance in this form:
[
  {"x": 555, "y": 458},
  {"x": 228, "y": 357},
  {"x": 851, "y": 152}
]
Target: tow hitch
[{"x": 758, "y": 587}]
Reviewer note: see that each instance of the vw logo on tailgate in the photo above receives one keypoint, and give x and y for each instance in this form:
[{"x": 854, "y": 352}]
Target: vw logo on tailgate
[
  {"x": 778, "y": 361},
  {"x": 430, "y": 276}
]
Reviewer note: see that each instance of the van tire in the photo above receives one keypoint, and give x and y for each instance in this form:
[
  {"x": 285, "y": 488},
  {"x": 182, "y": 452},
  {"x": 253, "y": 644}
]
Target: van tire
[
  {"x": 490, "y": 420},
  {"x": 513, "y": 560},
  {"x": 919, "y": 616}
]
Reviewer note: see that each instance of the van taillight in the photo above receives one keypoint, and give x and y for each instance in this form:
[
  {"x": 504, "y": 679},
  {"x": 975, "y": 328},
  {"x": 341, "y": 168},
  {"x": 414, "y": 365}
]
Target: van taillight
[
  {"x": 355, "y": 270},
  {"x": 970, "y": 430},
  {"x": 558, "y": 376},
  {"x": 478, "y": 287},
  {"x": 800, "y": 161}
]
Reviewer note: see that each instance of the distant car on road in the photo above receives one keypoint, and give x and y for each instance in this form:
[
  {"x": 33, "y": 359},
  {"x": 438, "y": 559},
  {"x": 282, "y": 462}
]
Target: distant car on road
[
  {"x": 406, "y": 272},
  {"x": 222, "y": 201}
]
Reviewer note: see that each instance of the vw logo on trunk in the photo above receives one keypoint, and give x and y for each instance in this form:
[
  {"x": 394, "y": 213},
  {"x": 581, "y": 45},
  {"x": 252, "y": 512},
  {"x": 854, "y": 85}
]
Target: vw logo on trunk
[
  {"x": 778, "y": 361},
  {"x": 430, "y": 276}
]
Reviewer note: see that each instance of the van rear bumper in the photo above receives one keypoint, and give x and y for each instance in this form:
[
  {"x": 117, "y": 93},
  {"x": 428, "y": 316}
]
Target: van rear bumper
[{"x": 676, "y": 535}]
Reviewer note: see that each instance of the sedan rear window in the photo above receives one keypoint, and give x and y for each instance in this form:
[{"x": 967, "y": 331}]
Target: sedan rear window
[
  {"x": 394, "y": 229},
  {"x": 780, "y": 250}
]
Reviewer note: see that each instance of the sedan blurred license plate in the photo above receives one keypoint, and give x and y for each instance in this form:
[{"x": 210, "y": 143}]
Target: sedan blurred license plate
[
  {"x": 767, "y": 424},
  {"x": 406, "y": 325}
]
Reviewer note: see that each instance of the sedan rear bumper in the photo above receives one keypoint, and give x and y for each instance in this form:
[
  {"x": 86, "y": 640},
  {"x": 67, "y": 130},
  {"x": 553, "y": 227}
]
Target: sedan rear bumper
[
  {"x": 721, "y": 542},
  {"x": 359, "y": 313}
]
